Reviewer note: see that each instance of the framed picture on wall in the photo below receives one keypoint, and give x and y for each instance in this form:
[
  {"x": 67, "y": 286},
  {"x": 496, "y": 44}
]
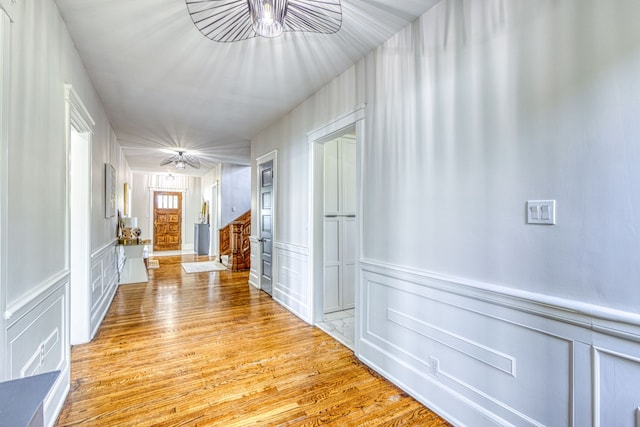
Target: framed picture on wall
[
  {"x": 110, "y": 202},
  {"x": 127, "y": 202}
]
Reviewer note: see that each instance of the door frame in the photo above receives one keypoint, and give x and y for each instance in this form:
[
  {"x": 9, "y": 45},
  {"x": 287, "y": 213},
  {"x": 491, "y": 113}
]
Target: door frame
[
  {"x": 151, "y": 196},
  {"x": 214, "y": 226},
  {"x": 270, "y": 156},
  {"x": 182, "y": 216},
  {"x": 350, "y": 121},
  {"x": 78, "y": 245},
  {"x": 5, "y": 49}
]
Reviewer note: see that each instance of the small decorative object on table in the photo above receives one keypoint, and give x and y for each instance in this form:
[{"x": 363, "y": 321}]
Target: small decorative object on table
[{"x": 130, "y": 233}]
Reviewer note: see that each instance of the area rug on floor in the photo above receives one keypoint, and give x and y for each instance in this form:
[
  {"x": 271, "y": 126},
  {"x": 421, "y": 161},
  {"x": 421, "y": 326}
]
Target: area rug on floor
[
  {"x": 199, "y": 267},
  {"x": 153, "y": 263}
]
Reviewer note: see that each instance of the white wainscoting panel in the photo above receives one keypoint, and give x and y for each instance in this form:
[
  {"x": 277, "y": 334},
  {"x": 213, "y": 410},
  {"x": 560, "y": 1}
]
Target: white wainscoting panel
[
  {"x": 291, "y": 286},
  {"x": 38, "y": 339},
  {"x": 104, "y": 283},
  {"x": 616, "y": 373},
  {"x": 254, "y": 273},
  {"x": 481, "y": 358}
]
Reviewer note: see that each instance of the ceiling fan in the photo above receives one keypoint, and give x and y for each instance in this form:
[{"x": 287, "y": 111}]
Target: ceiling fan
[{"x": 181, "y": 160}]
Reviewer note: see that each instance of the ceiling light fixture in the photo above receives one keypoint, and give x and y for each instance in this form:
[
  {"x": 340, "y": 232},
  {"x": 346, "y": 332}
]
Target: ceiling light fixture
[
  {"x": 170, "y": 177},
  {"x": 236, "y": 20},
  {"x": 181, "y": 159},
  {"x": 267, "y": 16}
]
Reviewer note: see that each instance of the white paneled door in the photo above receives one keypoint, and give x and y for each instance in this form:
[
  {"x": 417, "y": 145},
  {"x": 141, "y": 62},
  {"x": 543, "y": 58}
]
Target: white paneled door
[{"x": 339, "y": 231}]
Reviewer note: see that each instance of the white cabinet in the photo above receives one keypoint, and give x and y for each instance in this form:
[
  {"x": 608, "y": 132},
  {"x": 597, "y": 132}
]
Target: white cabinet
[
  {"x": 201, "y": 239},
  {"x": 134, "y": 270},
  {"x": 339, "y": 224}
]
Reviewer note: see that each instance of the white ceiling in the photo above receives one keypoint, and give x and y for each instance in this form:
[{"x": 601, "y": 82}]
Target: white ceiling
[{"x": 166, "y": 86}]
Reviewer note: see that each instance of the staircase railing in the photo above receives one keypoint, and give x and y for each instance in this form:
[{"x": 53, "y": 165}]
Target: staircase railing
[{"x": 235, "y": 243}]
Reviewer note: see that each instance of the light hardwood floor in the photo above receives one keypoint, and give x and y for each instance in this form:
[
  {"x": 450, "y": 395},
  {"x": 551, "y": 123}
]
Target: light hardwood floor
[{"x": 207, "y": 349}]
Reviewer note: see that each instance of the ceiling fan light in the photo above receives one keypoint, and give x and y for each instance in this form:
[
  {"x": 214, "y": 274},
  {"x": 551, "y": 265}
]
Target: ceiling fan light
[
  {"x": 267, "y": 17},
  {"x": 180, "y": 164}
]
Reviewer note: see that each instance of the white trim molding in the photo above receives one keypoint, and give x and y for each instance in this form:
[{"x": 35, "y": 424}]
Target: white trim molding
[
  {"x": 354, "y": 119},
  {"x": 267, "y": 157},
  {"x": 7, "y": 7},
  {"x": 335, "y": 126},
  {"x": 79, "y": 129},
  {"x": 485, "y": 355},
  {"x": 79, "y": 115},
  {"x": 290, "y": 289},
  {"x": 5, "y": 71},
  {"x": 254, "y": 277}
]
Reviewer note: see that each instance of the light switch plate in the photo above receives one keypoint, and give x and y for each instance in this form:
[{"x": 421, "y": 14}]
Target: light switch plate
[{"x": 541, "y": 212}]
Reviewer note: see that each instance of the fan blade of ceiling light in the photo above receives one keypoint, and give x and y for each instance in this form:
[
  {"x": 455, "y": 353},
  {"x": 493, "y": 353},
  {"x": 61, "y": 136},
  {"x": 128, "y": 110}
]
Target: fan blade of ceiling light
[
  {"x": 169, "y": 160},
  {"x": 191, "y": 161}
]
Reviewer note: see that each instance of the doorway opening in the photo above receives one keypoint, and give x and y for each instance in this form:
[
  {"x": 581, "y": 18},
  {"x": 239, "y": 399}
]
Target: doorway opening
[
  {"x": 214, "y": 245},
  {"x": 335, "y": 230},
  {"x": 80, "y": 250},
  {"x": 79, "y": 133},
  {"x": 167, "y": 221},
  {"x": 338, "y": 235}
]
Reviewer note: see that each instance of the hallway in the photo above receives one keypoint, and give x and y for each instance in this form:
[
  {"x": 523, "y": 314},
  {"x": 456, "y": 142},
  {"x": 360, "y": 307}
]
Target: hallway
[{"x": 208, "y": 349}]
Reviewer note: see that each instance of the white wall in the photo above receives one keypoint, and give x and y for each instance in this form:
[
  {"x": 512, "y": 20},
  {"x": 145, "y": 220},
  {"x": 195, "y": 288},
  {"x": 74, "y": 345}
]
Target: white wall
[
  {"x": 289, "y": 137},
  {"x": 235, "y": 192},
  {"x": 537, "y": 100},
  {"x": 35, "y": 283},
  {"x": 207, "y": 181},
  {"x": 471, "y": 111}
]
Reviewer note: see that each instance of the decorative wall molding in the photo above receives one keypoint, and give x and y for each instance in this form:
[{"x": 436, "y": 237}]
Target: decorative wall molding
[
  {"x": 290, "y": 286},
  {"x": 289, "y": 247},
  {"x": 615, "y": 393},
  {"x": 38, "y": 339},
  {"x": 597, "y": 318},
  {"x": 254, "y": 277},
  {"x": 105, "y": 247},
  {"x": 79, "y": 115},
  {"x": 104, "y": 283},
  {"x": 18, "y": 308},
  {"x": 483, "y": 357},
  {"x": 490, "y": 357},
  {"x": 343, "y": 121}
]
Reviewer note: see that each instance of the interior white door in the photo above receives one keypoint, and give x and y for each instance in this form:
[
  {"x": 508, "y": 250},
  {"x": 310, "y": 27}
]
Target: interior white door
[
  {"x": 332, "y": 267},
  {"x": 348, "y": 262},
  {"x": 339, "y": 225}
]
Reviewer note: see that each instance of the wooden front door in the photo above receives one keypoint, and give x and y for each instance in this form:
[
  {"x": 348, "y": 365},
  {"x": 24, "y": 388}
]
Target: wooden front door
[{"x": 167, "y": 221}]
